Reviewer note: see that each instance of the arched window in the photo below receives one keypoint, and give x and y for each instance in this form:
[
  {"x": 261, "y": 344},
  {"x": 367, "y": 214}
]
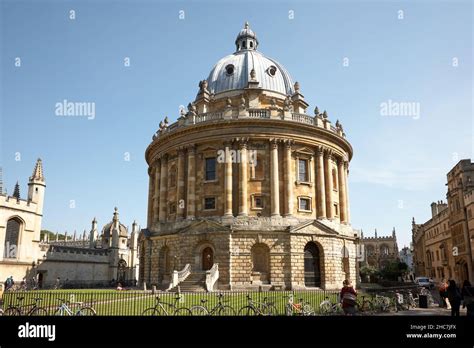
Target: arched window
[
  {"x": 173, "y": 176},
  {"x": 260, "y": 258},
  {"x": 370, "y": 250},
  {"x": 12, "y": 238},
  {"x": 261, "y": 262},
  {"x": 334, "y": 179},
  {"x": 384, "y": 250}
]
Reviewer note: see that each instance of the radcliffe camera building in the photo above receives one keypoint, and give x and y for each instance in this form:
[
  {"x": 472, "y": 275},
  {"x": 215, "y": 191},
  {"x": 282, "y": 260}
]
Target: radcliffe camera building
[
  {"x": 443, "y": 246},
  {"x": 246, "y": 189}
]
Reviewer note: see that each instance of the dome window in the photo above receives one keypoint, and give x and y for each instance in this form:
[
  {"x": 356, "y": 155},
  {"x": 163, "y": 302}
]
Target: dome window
[
  {"x": 229, "y": 69},
  {"x": 272, "y": 70}
]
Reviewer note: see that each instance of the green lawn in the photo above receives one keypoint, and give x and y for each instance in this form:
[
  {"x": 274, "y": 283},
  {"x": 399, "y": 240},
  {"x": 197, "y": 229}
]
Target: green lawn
[{"x": 113, "y": 302}]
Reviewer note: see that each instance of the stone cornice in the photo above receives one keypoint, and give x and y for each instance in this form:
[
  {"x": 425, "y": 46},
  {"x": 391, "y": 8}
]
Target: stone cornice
[{"x": 319, "y": 134}]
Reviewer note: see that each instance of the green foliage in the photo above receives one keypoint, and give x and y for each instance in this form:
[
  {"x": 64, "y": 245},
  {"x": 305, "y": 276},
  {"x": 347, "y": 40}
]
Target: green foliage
[
  {"x": 393, "y": 270},
  {"x": 51, "y": 235}
]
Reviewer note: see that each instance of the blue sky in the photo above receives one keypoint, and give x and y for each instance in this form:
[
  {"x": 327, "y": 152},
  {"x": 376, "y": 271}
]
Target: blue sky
[{"x": 400, "y": 162}]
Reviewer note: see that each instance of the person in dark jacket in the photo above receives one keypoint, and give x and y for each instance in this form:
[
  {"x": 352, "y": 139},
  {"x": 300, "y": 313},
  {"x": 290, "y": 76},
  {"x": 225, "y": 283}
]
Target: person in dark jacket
[
  {"x": 454, "y": 296},
  {"x": 348, "y": 298},
  {"x": 467, "y": 293}
]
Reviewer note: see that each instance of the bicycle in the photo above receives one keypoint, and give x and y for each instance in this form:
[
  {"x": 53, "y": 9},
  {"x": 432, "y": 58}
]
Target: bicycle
[
  {"x": 64, "y": 309},
  {"x": 327, "y": 307},
  {"x": 219, "y": 309},
  {"x": 19, "y": 309},
  {"x": 256, "y": 308},
  {"x": 300, "y": 308},
  {"x": 364, "y": 305},
  {"x": 173, "y": 309}
]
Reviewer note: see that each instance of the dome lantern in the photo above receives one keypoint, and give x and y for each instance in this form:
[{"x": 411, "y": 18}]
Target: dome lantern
[{"x": 246, "y": 40}]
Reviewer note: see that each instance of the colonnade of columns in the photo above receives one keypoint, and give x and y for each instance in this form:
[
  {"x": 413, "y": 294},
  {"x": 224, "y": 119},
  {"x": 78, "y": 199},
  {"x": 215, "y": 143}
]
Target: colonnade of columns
[{"x": 326, "y": 161}]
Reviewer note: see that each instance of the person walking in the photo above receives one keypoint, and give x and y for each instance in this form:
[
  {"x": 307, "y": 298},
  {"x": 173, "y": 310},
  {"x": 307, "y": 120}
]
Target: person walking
[
  {"x": 442, "y": 293},
  {"x": 348, "y": 298},
  {"x": 467, "y": 293},
  {"x": 454, "y": 297}
]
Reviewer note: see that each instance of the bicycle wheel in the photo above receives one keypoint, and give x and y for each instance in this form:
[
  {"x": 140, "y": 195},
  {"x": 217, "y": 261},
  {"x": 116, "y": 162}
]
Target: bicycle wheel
[
  {"x": 308, "y": 310},
  {"x": 248, "y": 311},
  {"x": 325, "y": 307},
  {"x": 269, "y": 309},
  {"x": 150, "y": 312},
  {"x": 183, "y": 312},
  {"x": 199, "y": 311},
  {"x": 86, "y": 311},
  {"x": 40, "y": 311},
  {"x": 60, "y": 312},
  {"x": 12, "y": 312},
  {"x": 226, "y": 311}
]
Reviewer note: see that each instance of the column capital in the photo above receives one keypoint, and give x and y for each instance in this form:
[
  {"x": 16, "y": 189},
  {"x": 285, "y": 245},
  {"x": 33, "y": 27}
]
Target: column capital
[
  {"x": 191, "y": 148},
  {"x": 180, "y": 150},
  {"x": 289, "y": 143},
  {"x": 346, "y": 165},
  {"x": 274, "y": 142},
  {"x": 320, "y": 150},
  {"x": 163, "y": 158},
  {"x": 241, "y": 142},
  {"x": 328, "y": 154}
]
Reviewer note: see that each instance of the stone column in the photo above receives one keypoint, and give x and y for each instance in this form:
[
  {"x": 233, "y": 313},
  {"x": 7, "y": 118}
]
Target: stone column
[
  {"x": 341, "y": 178},
  {"x": 243, "y": 176},
  {"x": 320, "y": 189},
  {"x": 290, "y": 181},
  {"x": 328, "y": 183},
  {"x": 180, "y": 186},
  {"x": 156, "y": 193},
  {"x": 163, "y": 188},
  {"x": 228, "y": 180},
  {"x": 346, "y": 193},
  {"x": 274, "y": 178},
  {"x": 191, "y": 198}
]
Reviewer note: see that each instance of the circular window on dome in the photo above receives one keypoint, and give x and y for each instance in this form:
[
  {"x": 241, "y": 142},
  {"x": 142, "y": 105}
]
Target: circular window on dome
[
  {"x": 229, "y": 69},
  {"x": 272, "y": 70}
]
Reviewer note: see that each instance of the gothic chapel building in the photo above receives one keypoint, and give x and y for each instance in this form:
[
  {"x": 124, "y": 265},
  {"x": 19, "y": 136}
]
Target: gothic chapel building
[{"x": 246, "y": 189}]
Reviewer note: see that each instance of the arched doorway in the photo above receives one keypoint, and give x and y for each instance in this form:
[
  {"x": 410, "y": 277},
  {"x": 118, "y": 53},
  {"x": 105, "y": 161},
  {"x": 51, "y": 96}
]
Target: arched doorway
[
  {"x": 312, "y": 265},
  {"x": 207, "y": 258}
]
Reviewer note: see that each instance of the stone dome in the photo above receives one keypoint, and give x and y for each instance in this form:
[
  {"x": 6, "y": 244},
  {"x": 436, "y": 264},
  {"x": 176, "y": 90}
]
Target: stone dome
[{"x": 233, "y": 72}]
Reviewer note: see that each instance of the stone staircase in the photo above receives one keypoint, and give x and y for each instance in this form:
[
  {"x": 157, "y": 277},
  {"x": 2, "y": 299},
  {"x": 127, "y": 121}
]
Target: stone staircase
[{"x": 196, "y": 281}]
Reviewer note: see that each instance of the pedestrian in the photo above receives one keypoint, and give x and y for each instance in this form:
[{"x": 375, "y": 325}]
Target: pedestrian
[
  {"x": 467, "y": 293},
  {"x": 442, "y": 293},
  {"x": 9, "y": 282},
  {"x": 348, "y": 298},
  {"x": 58, "y": 283},
  {"x": 454, "y": 297}
]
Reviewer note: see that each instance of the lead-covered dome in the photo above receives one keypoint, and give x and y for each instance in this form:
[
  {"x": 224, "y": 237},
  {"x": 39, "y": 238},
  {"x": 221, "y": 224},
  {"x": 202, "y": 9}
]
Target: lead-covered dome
[{"x": 233, "y": 72}]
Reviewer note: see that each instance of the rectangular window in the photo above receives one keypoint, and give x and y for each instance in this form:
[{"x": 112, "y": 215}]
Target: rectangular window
[
  {"x": 437, "y": 255},
  {"x": 303, "y": 170},
  {"x": 209, "y": 203},
  {"x": 257, "y": 202},
  {"x": 305, "y": 204},
  {"x": 336, "y": 209},
  {"x": 210, "y": 168}
]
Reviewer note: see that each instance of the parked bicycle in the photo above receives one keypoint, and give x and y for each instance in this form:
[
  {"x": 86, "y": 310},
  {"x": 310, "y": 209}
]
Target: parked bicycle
[
  {"x": 364, "y": 304},
  {"x": 164, "y": 308},
  {"x": 299, "y": 308},
  {"x": 30, "y": 309},
  {"x": 219, "y": 309},
  {"x": 65, "y": 309},
  {"x": 258, "y": 308},
  {"x": 328, "y": 307}
]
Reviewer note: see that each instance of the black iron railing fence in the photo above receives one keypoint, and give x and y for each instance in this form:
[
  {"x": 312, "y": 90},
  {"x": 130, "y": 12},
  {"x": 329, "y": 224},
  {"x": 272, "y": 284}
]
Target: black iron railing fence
[{"x": 133, "y": 302}]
